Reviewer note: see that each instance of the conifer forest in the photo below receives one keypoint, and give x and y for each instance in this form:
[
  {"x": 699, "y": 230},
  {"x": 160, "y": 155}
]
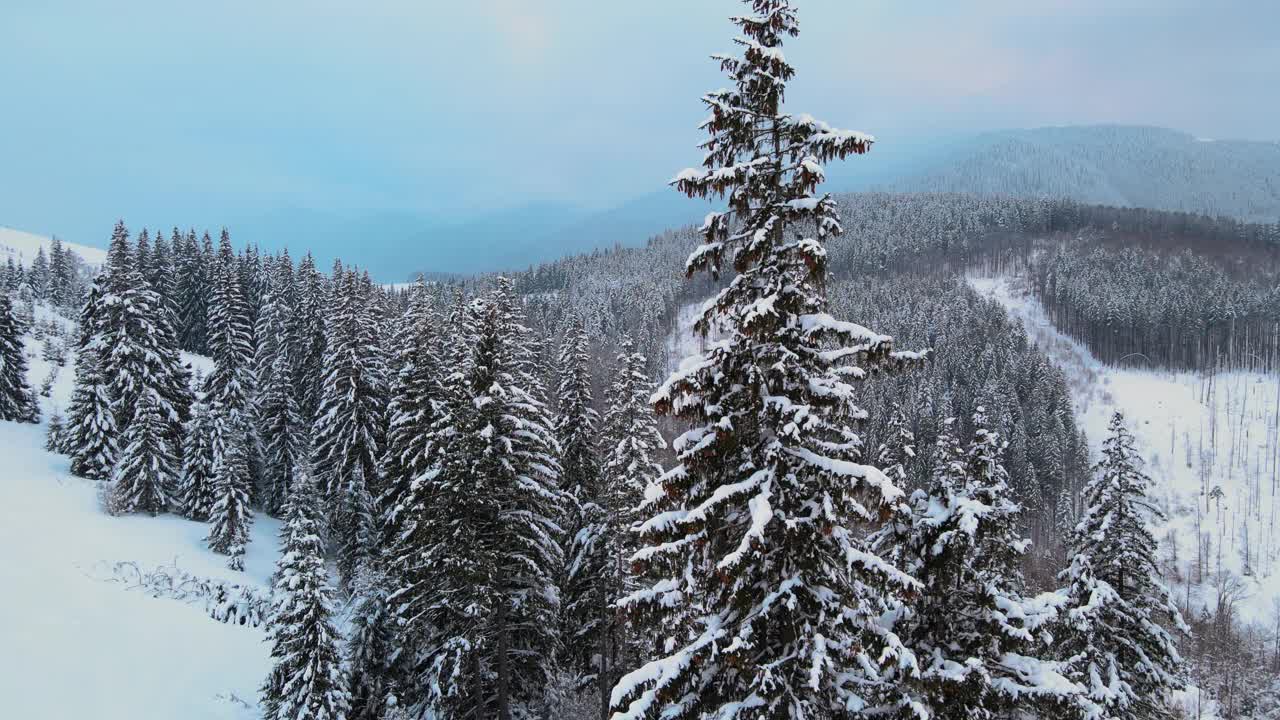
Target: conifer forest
[{"x": 999, "y": 440}]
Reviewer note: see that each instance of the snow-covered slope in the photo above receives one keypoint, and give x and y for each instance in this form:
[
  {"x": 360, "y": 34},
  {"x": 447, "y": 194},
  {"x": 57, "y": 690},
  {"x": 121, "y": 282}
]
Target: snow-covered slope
[
  {"x": 75, "y": 641},
  {"x": 22, "y": 247},
  {"x": 1196, "y": 433}
]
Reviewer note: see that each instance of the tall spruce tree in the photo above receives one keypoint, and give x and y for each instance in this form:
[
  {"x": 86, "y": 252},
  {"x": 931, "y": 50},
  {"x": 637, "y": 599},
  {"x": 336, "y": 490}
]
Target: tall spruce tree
[
  {"x": 284, "y": 437},
  {"x": 771, "y": 599},
  {"x": 230, "y": 334},
  {"x": 39, "y": 275},
  {"x": 145, "y": 476},
  {"x": 349, "y": 429},
  {"x": 196, "y": 495},
  {"x": 415, "y": 408},
  {"x": 477, "y": 573},
  {"x": 61, "y": 275},
  {"x": 309, "y": 330},
  {"x": 307, "y": 681},
  {"x": 981, "y": 644},
  {"x": 91, "y": 423},
  {"x": 192, "y": 291},
  {"x": 230, "y": 517},
  {"x": 17, "y": 401},
  {"x": 598, "y": 643},
  {"x": 1112, "y": 637},
  {"x": 576, "y": 419}
]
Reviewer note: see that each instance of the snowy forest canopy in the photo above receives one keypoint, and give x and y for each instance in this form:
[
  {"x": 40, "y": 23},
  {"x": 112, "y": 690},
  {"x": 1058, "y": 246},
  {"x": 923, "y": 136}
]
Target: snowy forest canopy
[{"x": 787, "y": 465}]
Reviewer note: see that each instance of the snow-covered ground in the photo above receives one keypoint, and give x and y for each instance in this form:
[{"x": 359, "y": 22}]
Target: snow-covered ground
[
  {"x": 73, "y": 643},
  {"x": 1197, "y": 433},
  {"x": 22, "y": 247}
]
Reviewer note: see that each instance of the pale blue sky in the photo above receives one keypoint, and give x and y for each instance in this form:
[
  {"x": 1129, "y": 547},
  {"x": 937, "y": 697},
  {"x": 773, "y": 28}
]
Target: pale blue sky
[{"x": 167, "y": 111}]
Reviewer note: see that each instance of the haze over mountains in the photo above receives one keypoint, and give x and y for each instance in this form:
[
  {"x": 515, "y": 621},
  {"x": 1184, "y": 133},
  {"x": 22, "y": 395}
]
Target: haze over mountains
[{"x": 1114, "y": 165}]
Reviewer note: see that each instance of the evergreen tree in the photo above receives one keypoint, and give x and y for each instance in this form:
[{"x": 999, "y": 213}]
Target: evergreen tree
[
  {"x": 91, "y": 423},
  {"x": 597, "y": 641},
  {"x": 355, "y": 528},
  {"x": 55, "y": 434},
  {"x": 61, "y": 275},
  {"x": 17, "y": 401},
  {"x": 1111, "y": 638},
  {"x": 145, "y": 476},
  {"x": 577, "y": 420},
  {"x": 772, "y": 601},
  {"x": 415, "y": 409},
  {"x": 349, "y": 430},
  {"x": 135, "y": 344},
  {"x": 230, "y": 335},
  {"x": 230, "y": 516},
  {"x": 976, "y": 637},
  {"x": 309, "y": 330},
  {"x": 307, "y": 681},
  {"x": 282, "y": 432},
  {"x": 192, "y": 293},
  {"x": 40, "y": 275},
  {"x": 196, "y": 496},
  {"x": 372, "y": 652},
  {"x": 477, "y": 572}
]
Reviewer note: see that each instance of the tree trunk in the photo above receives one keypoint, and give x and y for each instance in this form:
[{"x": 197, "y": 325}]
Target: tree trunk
[{"x": 504, "y": 671}]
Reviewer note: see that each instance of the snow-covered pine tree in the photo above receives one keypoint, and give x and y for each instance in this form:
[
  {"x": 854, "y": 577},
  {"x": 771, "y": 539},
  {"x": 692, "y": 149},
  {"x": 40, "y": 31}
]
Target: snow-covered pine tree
[
  {"x": 978, "y": 640},
  {"x": 356, "y": 538},
  {"x": 576, "y": 418},
  {"x": 415, "y": 408},
  {"x": 1111, "y": 638},
  {"x": 39, "y": 275},
  {"x": 230, "y": 516},
  {"x": 192, "y": 291},
  {"x": 373, "y": 658},
  {"x": 61, "y": 276},
  {"x": 91, "y": 424},
  {"x": 771, "y": 599},
  {"x": 230, "y": 335},
  {"x": 307, "y": 681},
  {"x": 282, "y": 431},
  {"x": 136, "y": 347},
  {"x": 196, "y": 495},
  {"x": 145, "y": 475},
  {"x": 349, "y": 428},
  {"x": 17, "y": 401},
  {"x": 55, "y": 434},
  {"x": 598, "y": 645},
  {"x": 477, "y": 572},
  {"x": 161, "y": 274},
  {"x": 309, "y": 330}
]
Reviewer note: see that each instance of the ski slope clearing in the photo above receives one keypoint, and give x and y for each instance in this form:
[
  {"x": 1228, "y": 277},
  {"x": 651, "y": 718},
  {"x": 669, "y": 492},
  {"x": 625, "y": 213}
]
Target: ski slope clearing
[
  {"x": 1212, "y": 447},
  {"x": 22, "y": 247},
  {"x": 79, "y": 643}
]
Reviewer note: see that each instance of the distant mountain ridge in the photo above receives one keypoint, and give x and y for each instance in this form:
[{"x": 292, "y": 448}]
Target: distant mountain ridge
[
  {"x": 1119, "y": 165},
  {"x": 1105, "y": 164}
]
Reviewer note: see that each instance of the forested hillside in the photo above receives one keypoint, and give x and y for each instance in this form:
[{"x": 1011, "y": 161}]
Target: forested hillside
[
  {"x": 1115, "y": 165},
  {"x": 791, "y": 464}
]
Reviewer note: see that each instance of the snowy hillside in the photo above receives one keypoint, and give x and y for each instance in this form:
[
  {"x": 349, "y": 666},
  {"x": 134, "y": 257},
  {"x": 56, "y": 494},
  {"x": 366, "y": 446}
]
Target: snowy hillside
[
  {"x": 22, "y": 247},
  {"x": 1197, "y": 433},
  {"x": 80, "y": 639}
]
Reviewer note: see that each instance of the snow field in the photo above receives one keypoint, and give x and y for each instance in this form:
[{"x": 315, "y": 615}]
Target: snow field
[
  {"x": 1197, "y": 432},
  {"x": 78, "y": 645}
]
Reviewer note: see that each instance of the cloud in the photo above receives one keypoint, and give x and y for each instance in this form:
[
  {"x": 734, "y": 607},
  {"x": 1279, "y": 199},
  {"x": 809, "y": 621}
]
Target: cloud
[{"x": 525, "y": 28}]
